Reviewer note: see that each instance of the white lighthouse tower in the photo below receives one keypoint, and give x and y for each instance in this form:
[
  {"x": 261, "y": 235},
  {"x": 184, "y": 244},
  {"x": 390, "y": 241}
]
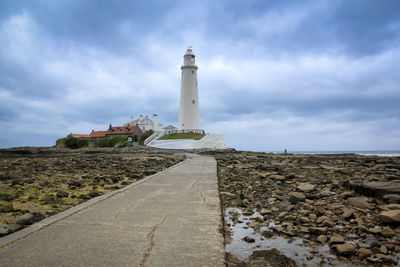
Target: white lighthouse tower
[{"x": 189, "y": 118}]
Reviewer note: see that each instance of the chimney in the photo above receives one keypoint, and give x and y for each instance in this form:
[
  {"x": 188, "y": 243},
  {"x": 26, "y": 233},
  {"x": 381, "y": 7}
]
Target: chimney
[{"x": 155, "y": 123}]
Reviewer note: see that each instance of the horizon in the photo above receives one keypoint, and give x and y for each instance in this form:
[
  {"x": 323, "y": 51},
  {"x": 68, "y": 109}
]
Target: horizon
[{"x": 310, "y": 76}]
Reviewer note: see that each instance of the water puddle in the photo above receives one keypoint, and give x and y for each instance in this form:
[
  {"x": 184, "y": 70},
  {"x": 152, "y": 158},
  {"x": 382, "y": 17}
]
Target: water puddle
[{"x": 292, "y": 248}]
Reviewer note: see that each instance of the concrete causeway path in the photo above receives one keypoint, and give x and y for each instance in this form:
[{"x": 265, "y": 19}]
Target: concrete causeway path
[{"x": 172, "y": 218}]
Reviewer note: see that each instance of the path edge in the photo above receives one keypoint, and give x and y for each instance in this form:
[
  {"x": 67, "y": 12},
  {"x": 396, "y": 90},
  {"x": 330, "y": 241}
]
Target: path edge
[{"x": 13, "y": 237}]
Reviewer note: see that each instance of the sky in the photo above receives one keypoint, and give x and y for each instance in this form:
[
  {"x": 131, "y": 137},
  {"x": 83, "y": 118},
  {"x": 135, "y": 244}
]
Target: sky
[{"x": 301, "y": 75}]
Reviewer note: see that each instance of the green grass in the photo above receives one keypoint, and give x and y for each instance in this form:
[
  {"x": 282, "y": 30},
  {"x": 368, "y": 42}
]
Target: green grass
[{"x": 195, "y": 136}]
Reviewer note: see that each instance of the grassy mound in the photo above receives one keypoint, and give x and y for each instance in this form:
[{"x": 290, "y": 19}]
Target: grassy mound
[{"x": 195, "y": 136}]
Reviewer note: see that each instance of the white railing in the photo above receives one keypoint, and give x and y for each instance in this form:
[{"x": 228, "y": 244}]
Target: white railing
[
  {"x": 200, "y": 131},
  {"x": 159, "y": 134},
  {"x": 150, "y": 138}
]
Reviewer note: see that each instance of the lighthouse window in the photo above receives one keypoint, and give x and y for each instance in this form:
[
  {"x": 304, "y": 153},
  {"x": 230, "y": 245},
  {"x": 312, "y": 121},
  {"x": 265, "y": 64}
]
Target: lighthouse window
[
  {"x": 193, "y": 101},
  {"x": 192, "y": 71}
]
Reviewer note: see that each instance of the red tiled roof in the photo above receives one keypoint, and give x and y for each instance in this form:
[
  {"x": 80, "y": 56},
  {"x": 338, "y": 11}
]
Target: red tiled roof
[
  {"x": 97, "y": 134},
  {"x": 118, "y": 130}
]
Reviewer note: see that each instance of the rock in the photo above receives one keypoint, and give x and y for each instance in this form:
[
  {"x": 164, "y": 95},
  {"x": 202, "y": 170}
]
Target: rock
[
  {"x": 390, "y": 216},
  {"x": 268, "y": 233},
  {"x": 18, "y": 182},
  {"x": 249, "y": 239},
  {"x": 312, "y": 195},
  {"x": 383, "y": 249},
  {"x": 295, "y": 197},
  {"x": 282, "y": 214},
  {"x": 364, "y": 253},
  {"x": 322, "y": 239},
  {"x": 247, "y": 212},
  {"x": 380, "y": 258},
  {"x": 271, "y": 257},
  {"x": 303, "y": 219},
  {"x": 374, "y": 231},
  {"x": 5, "y": 206},
  {"x": 74, "y": 183},
  {"x": 325, "y": 194},
  {"x": 348, "y": 214},
  {"x": 7, "y": 196},
  {"x": 277, "y": 177},
  {"x": 305, "y": 187},
  {"x": 83, "y": 196},
  {"x": 318, "y": 230},
  {"x": 258, "y": 205},
  {"x": 237, "y": 202},
  {"x": 254, "y": 225},
  {"x": 62, "y": 193},
  {"x": 393, "y": 206},
  {"x": 245, "y": 203},
  {"x": 336, "y": 239},
  {"x": 347, "y": 194},
  {"x": 359, "y": 202},
  {"x": 372, "y": 241},
  {"x": 312, "y": 216},
  {"x": 325, "y": 221},
  {"x": 94, "y": 194},
  {"x": 26, "y": 219},
  {"x": 5, "y": 229},
  {"x": 345, "y": 249},
  {"x": 259, "y": 219},
  {"x": 320, "y": 211},
  {"x": 387, "y": 232},
  {"x": 392, "y": 198}
]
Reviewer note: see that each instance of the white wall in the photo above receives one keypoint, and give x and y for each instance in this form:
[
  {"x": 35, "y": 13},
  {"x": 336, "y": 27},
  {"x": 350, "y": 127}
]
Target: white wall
[
  {"x": 211, "y": 141},
  {"x": 189, "y": 117}
]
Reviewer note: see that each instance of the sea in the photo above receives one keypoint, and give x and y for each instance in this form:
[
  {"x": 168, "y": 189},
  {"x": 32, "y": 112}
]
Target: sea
[{"x": 382, "y": 153}]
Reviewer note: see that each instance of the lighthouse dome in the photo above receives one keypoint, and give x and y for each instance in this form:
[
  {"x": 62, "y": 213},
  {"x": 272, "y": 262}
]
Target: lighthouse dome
[{"x": 189, "y": 52}]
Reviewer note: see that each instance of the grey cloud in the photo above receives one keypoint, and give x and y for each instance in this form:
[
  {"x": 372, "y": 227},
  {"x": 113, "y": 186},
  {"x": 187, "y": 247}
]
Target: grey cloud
[{"x": 331, "y": 66}]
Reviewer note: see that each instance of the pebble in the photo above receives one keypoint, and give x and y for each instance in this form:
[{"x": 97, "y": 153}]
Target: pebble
[
  {"x": 305, "y": 187},
  {"x": 346, "y": 249},
  {"x": 387, "y": 232},
  {"x": 364, "y": 253},
  {"x": 295, "y": 197},
  {"x": 4, "y": 229},
  {"x": 390, "y": 216},
  {"x": 26, "y": 219},
  {"x": 322, "y": 239},
  {"x": 249, "y": 239},
  {"x": 336, "y": 239}
]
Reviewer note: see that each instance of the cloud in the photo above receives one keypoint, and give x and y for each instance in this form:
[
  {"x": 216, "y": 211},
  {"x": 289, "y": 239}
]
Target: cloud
[
  {"x": 295, "y": 133},
  {"x": 315, "y": 75}
]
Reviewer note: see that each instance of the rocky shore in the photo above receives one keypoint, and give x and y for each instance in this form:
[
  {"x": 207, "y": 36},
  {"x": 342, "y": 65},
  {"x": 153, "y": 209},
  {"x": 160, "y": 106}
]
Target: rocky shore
[
  {"x": 293, "y": 209},
  {"x": 38, "y": 182}
]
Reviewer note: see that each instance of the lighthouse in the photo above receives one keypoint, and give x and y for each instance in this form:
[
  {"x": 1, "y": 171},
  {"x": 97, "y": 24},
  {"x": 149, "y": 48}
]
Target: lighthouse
[{"x": 189, "y": 118}]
